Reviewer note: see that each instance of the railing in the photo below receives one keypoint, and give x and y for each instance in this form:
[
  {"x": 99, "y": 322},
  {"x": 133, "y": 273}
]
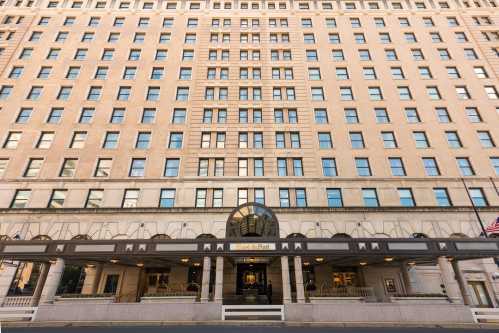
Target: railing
[
  {"x": 330, "y": 291},
  {"x": 18, "y": 301},
  {"x": 178, "y": 290}
]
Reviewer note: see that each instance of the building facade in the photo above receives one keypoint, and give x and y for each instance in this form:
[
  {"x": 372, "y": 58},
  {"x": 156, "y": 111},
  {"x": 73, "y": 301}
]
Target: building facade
[{"x": 138, "y": 138}]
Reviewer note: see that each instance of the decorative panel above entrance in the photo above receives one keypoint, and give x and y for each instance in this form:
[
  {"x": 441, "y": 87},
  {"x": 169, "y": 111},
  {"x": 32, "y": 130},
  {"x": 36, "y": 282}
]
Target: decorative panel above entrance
[{"x": 252, "y": 220}]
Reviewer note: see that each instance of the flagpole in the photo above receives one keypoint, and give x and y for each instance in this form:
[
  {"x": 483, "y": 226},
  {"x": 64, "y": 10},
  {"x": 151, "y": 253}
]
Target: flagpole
[{"x": 475, "y": 209}]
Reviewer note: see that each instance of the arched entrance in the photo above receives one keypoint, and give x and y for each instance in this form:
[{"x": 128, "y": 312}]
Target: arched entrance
[
  {"x": 254, "y": 274},
  {"x": 252, "y": 220}
]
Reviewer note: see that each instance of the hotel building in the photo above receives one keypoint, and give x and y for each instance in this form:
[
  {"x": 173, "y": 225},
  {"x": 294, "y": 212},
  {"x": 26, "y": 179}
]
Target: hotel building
[{"x": 167, "y": 160}]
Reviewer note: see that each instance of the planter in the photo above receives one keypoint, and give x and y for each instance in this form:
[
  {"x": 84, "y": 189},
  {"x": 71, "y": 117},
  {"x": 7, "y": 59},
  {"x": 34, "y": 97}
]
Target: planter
[
  {"x": 168, "y": 299},
  {"x": 419, "y": 300},
  {"x": 336, "y": 300},
  {"x": 84, "y": 300}
]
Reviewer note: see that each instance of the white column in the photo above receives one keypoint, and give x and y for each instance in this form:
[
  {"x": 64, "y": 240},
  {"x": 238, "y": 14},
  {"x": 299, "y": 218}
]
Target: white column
[
  {"x": 96, "y": 278},
  {"x": 52, "y": 282},
  {"x": 219, "y": 280},
  {"x": 286, "y": 287},
  {"x": 7, "y": 274},
  {"x": 42, "y": 277},
  {"x": 407, "y": 279},
  {"x": 450, "y": 283},
  {"x": 461, "y": 281},
  {"x": 205, "y": 284},
  {"x": 300, "y": 291}
]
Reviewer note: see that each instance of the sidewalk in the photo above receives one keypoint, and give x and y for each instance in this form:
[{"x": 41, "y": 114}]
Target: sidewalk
[{"x": 11, "y": 324}]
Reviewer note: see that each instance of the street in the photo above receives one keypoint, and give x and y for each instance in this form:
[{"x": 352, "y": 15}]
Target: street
[{"x": 227, "y": 329}]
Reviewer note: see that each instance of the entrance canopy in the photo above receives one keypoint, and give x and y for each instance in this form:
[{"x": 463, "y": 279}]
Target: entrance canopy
[{"x": 346, "y": 251}]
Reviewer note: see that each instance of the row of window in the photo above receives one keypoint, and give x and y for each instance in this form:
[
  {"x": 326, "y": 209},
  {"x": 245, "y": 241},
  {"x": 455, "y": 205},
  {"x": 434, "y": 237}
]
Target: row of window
[
  {"x": 272, "y": 5},
  {"x": 254, "y": 140},
  {"x": 246, "y": 115},
  {"x": 255, "y": 38},
  {"x": 288, "y": 197},
  {"x": 346, "y": 93},
  {"x": 247, "y": 73},
  {"x": 254, "y": 54},
  {"x": 273, "y": 22},
  {"x": 285, "y": 166}
]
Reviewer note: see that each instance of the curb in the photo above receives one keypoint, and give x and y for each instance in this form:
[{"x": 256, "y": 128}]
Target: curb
[{"x": 24, "y": 324}]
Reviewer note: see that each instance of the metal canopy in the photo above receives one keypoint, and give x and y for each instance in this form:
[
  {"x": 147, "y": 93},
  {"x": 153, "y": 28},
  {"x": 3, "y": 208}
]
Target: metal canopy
[{"x": 340, "y": 250}]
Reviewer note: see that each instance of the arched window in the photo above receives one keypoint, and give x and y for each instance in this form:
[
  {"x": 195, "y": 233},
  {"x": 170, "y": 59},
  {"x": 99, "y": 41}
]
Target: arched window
[
  {"x": 81, "y": 237},
  {"x": 341, "y": 235},
  {"x": 458, "y": 235},
  {"x": 206, "y": 236},
  {"x": 41, "y": 237},
  {"x": 161, "y": 236},
  {"x": 419, "y": 235},
  {"x": 295, "y": 235}
]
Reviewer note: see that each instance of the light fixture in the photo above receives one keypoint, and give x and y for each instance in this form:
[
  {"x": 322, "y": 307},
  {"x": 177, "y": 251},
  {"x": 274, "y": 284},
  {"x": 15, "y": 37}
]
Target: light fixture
[
  {"x": 90, "y": 265},
  {"x": 306, "y": 263},
  {"x": 114, "y": 261},
  {"x": 184, "y": 260},
  {"x": 362, "y": 263},
  {"x": 252, "y": 260},
  {"x": 197, "y": 264},
  {"x": 140, "y": 264},
  {"x": 319, "y": 259},
  {"x": 411, "y": 263},
  {"x": 388, "y": 259}
]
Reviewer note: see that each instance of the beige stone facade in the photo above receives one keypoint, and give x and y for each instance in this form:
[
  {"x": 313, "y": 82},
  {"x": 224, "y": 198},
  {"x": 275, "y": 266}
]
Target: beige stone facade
[{"x": 123, "y": 120}]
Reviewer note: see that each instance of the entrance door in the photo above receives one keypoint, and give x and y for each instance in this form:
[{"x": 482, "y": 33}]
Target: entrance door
[
  {"x": 251, "y": 278},
  {"x": 251, "y": 284},
  {"x": 479, "y": 294}
]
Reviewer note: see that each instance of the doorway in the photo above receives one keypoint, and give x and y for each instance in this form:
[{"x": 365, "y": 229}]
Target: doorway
[
  {"x": 479, "y": 294},
  {"x": 251, "y": 283}
]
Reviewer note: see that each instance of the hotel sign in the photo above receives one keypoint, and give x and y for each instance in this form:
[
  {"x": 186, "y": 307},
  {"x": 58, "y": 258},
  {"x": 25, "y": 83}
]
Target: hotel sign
[{"x": 252, "y": 246}]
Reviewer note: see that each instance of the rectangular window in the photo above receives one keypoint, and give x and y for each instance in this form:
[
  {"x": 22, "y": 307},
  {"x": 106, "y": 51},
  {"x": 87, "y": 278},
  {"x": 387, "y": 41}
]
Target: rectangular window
[
  {"x": 478, "y": 197},
  {"x": 68, "y": 167},
  {"x": 284, "y": 198},
  {"x": 442, "y": 197},
  {"x": 406, "y": 197},
  {"x": 397, "y": 166},
  {"x": 201, "y": 197},
  {"x": 57, "y": 199},
  {"x": 363, "y": 167},
  {"x": 172, "y": 167},
  {"x": 334, "y": 197},
  {"x": 21, "y": 199},
  {"x": 103, "y": 168},
  {"x": 431, "y": 166},
  {"x": 130, "y": 198},
  {"x": 329, "y": 167},
  {"x": 370, "y": 197},
  {"x": 465, "y": 166},
  {"x": 94, "y": 199}
]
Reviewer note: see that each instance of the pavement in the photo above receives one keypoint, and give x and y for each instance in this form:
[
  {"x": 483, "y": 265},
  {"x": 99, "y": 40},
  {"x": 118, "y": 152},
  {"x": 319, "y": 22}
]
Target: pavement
[{"x": 240, "y": 327}]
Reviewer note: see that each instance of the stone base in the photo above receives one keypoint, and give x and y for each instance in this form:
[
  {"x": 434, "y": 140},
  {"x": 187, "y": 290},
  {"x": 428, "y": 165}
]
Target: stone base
[
  {"x": 379, "y": 312},
  {"x": 129, "y": 312}
]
